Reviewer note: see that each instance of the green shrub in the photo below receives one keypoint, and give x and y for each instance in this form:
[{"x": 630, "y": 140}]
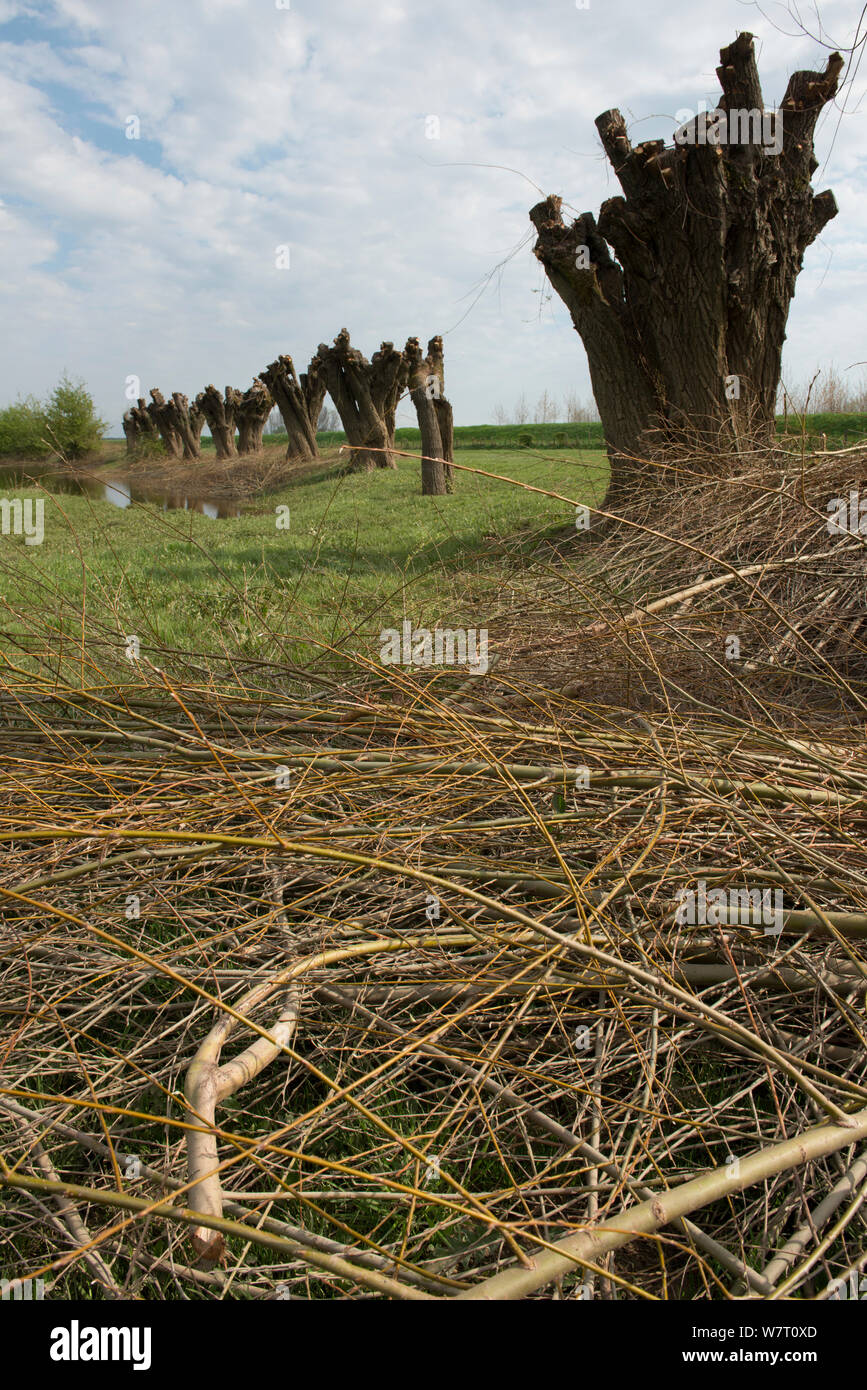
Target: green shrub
[
  {"x": 65, "y": 424},
  {"x": 73, "y": 427},
  {"x": 22, "y": 429}
]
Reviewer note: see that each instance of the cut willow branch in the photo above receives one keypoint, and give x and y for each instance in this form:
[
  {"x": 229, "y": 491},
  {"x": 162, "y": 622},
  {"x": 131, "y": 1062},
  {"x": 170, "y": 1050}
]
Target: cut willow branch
[
  {"x": 70, "y": 1216},
  {"x": 569, "y": 1140},
  {"x": 304, "y": 1238},
  {"x": 207, "y": 1084},
  {"x": 332, "y": 1264},
  {"x": 406, "y": 797},
  {"x": 660, "y": 1211},
  {"x": 818, "y": 1218}
]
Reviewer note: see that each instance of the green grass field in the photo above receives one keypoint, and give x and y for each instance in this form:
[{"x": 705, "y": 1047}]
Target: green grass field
[
  {"x": 362, "y": 552},
  {"x": 840, "y": 430}
]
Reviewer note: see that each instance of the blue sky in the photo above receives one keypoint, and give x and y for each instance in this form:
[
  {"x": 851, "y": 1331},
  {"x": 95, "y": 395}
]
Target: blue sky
[{"x": 309, "y": 127}]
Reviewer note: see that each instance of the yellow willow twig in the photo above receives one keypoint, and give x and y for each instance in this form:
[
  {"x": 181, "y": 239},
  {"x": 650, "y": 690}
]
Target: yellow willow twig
[
  {"x": 321, "y": 958},
  {"x": 659, "y": 1211},
  {"x": 715, "y": 1019},
  {"x": 333, "y": 1264}
]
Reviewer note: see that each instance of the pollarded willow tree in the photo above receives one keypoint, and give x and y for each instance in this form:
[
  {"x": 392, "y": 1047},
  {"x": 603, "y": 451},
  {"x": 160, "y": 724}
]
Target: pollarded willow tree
[
  {"x": 188, "y": 424},
  {"x": 139, "y": 426},
  {"x": 251, "y": 412},
  {"x": 219, "y": 413},
  {"x": 299, "y": 400},
  {"x": 366, "y": 396},
  {"x": 164, "y": 417},
  {"x": 684, "y": 324},
  {"x": 425, "y": 379},
  {"x": 178, "y": 424},
  {"x": 191, "y": 422}
]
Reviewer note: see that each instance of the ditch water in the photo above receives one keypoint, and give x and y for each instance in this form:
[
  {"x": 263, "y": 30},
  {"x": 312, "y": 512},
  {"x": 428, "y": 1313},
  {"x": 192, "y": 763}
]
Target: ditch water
[{"x": 119, "y": 490}]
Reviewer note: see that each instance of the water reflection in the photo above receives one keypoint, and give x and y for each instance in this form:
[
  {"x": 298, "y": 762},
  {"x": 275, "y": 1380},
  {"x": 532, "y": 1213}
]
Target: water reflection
[{"x": 119, "y": 490}]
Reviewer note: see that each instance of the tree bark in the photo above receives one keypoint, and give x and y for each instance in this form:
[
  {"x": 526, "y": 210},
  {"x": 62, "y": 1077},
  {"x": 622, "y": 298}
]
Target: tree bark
[
  {"x": 252, "y": 414},
  {"x": 299, "y": 401},
  {"x": 684, "y": 330},
  {"x": 365, "y": 395},
  {"x": 188, "y": 422},
  {"x": 425, "y": 380},
  {"x": 139, "y": 426},
  {"x": 131, "y": 430},
  {"x": 389, "y": 378},
  {"x": 163, "y": 414},
  {"x": 445, "y": 419},
  {"x": 442, "y": 406},
  {"x": 219, "y": 412}
]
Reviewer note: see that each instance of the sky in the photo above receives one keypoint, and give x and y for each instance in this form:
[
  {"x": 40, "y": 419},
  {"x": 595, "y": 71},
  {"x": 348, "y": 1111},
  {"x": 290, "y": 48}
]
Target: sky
[{"x": 189, "y": 189}]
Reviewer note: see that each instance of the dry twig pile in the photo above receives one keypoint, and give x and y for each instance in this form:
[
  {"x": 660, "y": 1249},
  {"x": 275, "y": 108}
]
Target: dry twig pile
[{"x": 395, "y": 990}]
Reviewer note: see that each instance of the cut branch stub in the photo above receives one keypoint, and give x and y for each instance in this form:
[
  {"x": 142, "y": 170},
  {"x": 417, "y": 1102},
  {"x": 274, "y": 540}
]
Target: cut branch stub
[
  {"x": 365, "y": 395},
  {"x": 252, "y": 411},
  {"x": 685, "y": 328},
  {"x": 219, "y": 413},
  {"x": 299, "y": 401}
]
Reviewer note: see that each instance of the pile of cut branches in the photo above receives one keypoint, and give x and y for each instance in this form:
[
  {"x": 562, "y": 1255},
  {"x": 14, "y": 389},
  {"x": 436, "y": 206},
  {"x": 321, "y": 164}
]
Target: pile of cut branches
[{"x": 396, "y": 996}]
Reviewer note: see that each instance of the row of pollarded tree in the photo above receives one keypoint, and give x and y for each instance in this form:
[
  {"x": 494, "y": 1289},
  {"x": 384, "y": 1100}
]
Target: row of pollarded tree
[
  {"x": 179, "y": 424},
  {"x": 365, "y": 393}
]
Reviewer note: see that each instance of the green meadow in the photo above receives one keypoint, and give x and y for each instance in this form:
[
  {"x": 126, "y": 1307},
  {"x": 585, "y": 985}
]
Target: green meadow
[{"x": 361, "y": 552}]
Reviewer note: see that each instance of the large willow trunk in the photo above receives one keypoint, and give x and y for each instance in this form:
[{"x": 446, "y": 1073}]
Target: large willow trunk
[
  {"x": 425, "y": 380},
  {"x": 684, "y": 326},
  {"x": 189, "y": 423},
  {"x": 365, "y": 395},
  {"x": 252, "y": 413},
  {"x": 219, "y": 412},
  {"x": 299, "y": 400},
  {"x": 164, "y": 417}
]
